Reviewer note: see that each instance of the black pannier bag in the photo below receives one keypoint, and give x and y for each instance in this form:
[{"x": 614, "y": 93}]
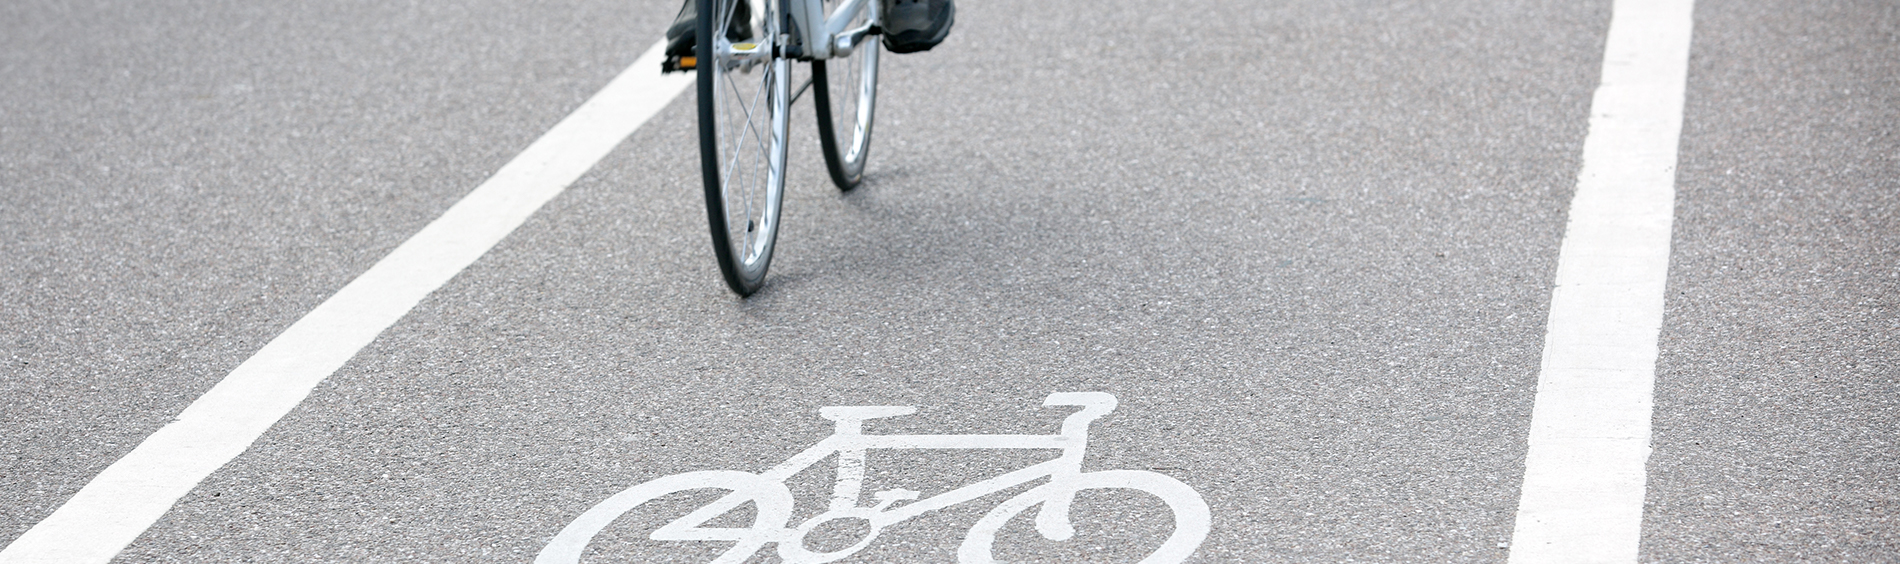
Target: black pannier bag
[{"x": 917, "y": 25}]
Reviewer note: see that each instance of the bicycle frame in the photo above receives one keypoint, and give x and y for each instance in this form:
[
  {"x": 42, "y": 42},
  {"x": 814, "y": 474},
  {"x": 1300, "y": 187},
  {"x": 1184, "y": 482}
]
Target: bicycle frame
[
  {"x": 850, "y": 443},
  {"x": 829, "y": 38}
]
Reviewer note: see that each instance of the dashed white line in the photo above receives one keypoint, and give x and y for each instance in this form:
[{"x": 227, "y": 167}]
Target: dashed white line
[
  {"x": 124, "y": 500},
  {"x": 1584, "y": 475}
]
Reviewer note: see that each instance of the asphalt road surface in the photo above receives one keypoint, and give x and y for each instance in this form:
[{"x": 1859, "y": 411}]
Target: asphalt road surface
[{"x": 1309, "y": 246}]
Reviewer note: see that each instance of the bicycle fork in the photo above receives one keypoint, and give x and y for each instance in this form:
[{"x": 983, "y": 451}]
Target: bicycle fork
[{"x": 1052, "y": 521}]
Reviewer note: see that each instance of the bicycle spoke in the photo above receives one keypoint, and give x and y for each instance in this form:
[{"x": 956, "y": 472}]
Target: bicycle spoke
[
  {"x": 749, "y": 148},
  {"x": 731, "y": 165},
  {"x": 753, "y": 137},
  {"x": 746, "y": 135}
]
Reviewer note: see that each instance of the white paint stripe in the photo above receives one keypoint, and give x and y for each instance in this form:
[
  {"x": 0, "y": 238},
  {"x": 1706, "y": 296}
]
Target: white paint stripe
[
  {"x": 1584, "y": 474},
  {"x": 131, "y": 494}
]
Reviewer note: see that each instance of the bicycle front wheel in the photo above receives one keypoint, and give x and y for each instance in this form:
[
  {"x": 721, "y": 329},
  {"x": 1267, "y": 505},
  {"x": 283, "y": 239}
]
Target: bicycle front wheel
[
  {"x": 744, "y": 96},
  {"x": 846, "y": 91},
  {"x": 1191, "y": 517}
]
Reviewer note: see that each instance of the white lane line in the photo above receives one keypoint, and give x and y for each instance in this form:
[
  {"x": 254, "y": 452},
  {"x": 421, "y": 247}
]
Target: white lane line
[
  {"x": 1584, "y": 474},
  {"x": 121, "y": 502}
]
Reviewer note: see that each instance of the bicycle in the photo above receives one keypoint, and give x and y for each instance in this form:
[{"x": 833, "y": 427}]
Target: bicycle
[
  {"x": 743, "y": 118},
  {"x": 773, "y": 502}
]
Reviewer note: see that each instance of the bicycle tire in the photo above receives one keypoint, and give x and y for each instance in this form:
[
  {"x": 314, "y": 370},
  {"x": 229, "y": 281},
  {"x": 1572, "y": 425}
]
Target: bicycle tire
[
  {"x": 743, "y": 109},
  {"x": 1191, "y": 517},
  {"x": 772, "y": 502},
  {"x": 855, "y": 102}
]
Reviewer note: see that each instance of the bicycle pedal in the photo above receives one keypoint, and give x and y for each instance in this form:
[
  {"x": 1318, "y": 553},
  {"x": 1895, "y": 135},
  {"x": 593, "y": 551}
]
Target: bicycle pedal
[{"x": 677, "y": 63}]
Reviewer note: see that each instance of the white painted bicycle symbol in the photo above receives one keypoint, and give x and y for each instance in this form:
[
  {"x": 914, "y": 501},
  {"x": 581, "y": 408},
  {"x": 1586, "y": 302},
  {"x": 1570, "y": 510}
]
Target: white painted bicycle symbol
[{"x": 773, "y": 500}]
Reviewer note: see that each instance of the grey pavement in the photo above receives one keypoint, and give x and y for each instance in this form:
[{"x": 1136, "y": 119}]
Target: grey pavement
[
  {"x": 1309, "y": 245},
  {"x": 1778, "y": 393}
]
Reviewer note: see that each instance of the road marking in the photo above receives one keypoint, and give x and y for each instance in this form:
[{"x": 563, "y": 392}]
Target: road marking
[
  {"x": 773, "y": 503},
  {"x": 1584, "y": 475},
  {"x": 124, "y": 500}
]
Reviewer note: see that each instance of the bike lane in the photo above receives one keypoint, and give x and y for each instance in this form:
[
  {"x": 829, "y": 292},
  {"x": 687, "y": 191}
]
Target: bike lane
[
  {"x": 1315, "y": 281},
  {"x": 1315, "y": 288}
]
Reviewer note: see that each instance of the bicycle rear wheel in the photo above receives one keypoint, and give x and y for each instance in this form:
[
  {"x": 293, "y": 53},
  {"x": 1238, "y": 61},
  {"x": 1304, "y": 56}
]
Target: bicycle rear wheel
[
  {"x": 771, "y": 502},
  {"x": 744, "y": 96},
  {"x": 846, "y": 92}
]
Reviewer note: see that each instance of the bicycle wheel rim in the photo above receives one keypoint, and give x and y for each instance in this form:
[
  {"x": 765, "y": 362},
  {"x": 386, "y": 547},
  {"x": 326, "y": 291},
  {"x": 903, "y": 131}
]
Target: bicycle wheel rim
[
  {"x": 847, "y": 103},
  {"x": 743, "y": 106}
]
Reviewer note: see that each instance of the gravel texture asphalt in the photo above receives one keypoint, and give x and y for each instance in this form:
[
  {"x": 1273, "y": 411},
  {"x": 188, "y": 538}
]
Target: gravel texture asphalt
[
  {"x": 1308, "y": 245},
  {"x": 1778, "y": 391}
]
